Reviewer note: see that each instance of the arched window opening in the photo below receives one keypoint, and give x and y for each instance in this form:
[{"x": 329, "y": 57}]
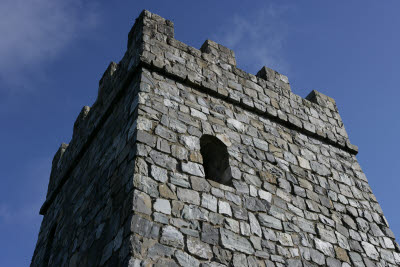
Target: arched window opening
[{"x": 215, "y": 160}]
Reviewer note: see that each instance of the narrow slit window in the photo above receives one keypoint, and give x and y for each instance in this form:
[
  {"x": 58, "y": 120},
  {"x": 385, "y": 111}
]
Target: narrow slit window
[{"x": 215, "y": 160}]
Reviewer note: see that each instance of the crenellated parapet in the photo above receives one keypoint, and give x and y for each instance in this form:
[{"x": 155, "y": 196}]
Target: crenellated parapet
[{"x": 213, "y": 68}]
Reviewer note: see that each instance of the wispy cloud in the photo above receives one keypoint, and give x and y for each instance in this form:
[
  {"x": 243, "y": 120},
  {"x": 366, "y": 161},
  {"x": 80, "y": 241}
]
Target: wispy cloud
[
  {"x": 257, "y": 38},
  {"x": 35, "y": 32}
]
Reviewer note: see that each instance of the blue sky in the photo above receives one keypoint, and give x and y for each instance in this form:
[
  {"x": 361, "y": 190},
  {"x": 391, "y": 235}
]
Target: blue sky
[{"x": 53, "y": 52}]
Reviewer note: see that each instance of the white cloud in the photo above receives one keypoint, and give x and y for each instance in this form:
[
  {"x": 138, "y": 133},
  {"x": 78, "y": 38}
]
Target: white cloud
[
  {"x": 36, "y": 31},
  {"x": 257, "y": 39}
]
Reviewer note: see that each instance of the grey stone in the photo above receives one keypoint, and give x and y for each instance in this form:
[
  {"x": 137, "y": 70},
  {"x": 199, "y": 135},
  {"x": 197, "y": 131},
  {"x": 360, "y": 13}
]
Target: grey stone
[
  {"x": 165, "y": 263},
  {"x": 180, "y": 180},
  {"x": 294, "y": 263},
  {"x": 245, "y": 229},
  {"x": 209, "y": 202},
  {"x": 254, "y": 225},
  {"x": 194, "y": 213},
  {"x": 159, "y": 174},
  {"x": 269, "y": 221},
  {"x": 269, "y": 234},
  {"x": 317, "y": 257},
  {"x": 193, "y": 169},
  {"x": 239, "y": 260},
  {"x": 172, "y": 237},
  {"x": 235, "y": 242},
  {"x": 332, "y": 262},
  {"x": 198, "y": 248},
  {"x": 146, "y": 184},
  {"x": 370, "y": 250},
  {"x": 255, "y": 204},
  {"x": 163, "y": 206},
  {"x": 200, "y": 184},
  {"x": 376, "y": 231},
  {"x": 141, "y": 202},
  {"x": 144, "y": 227},
  {"x": 224, "y": 208},
  {"x": 233, "y": 198},
  {"x": 342, "y": 241},
  {"x": 146, "y": 138},
  {"x": 231, "y": 224},
  {"x": 222, "y": 255},
  {"x": 163, "y": 160},
  {"x": 325, "y": 247},
  {"x": 319, "y": 168},
  {"x": 356, "y": 259},
  {"x": 189, "y": 196},
  {"x": 209, "y": 234},
  {"x": 160, "y": 217},
  {"x": 261, "y": 144},
  {"x": 191, "y": 142},
  {"x": 285, "y": 239},
  {"x": 159, "y": 250},
  {"x": 239, "y": 212},
  {"x": 185, "y": 259},
  {"x": 326, "y": 235},
  {"x": 165, "y": 133}
]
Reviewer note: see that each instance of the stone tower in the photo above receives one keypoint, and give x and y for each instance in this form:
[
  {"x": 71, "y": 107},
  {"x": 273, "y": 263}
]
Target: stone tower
[{"x": 186, "y": 160}]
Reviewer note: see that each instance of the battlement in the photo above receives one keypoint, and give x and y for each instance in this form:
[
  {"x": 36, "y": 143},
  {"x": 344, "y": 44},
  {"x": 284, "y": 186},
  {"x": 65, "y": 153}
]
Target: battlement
[{"x": 213, "y": 68}]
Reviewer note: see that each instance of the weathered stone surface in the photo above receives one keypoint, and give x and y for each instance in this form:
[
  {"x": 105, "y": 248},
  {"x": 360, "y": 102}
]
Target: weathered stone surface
[
  {"x": 317, "y": 257},
  {"x": 185, "y": 259},
  {"x": 209, "y": 202},
  {"x": 172, "y": 237},
  {"x": 320, "y": 169},
  {"x": 224, "y": 208},
  {"x": 285, "y": 239},
  {"x": 198, "y": 248},
  {"x": 235, "y": 242},
  {"x": 166, "y": 192},
  {"x": 239, "y": 260},
  {"x": 269, "y": 221},
  {"x": 189, "y": 196},
  {"x": 232, "y": 225},
  {"x": 356, "y": 259},
  {"x": 325, "y": 247},
  {"x": 191, "y": 142},
  {"x": 159, "y": 174},
  {"x": 254, "y": 225},
  {"x": 146, "y": 184},
  {"x": 141, "y": 202},
  {"x": 193, "y": 169},
  {"x": 159, "y": 250},
  {"x": 209, "y": 234},
  {"x": 163, "y": 206},
  {"x": 370, "y": 250},
  {"x": 341, "y": 254},
  {"x": 144, "y": 227},
  {"x": 200, "y": 184}
]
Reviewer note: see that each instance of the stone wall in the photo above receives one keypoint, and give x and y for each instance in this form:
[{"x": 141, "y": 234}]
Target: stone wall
[{"x": 130, "y": 188}]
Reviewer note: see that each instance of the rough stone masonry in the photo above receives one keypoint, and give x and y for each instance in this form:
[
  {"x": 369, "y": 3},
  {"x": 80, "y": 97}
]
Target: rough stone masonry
[{"x": 186, "y": 160}]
